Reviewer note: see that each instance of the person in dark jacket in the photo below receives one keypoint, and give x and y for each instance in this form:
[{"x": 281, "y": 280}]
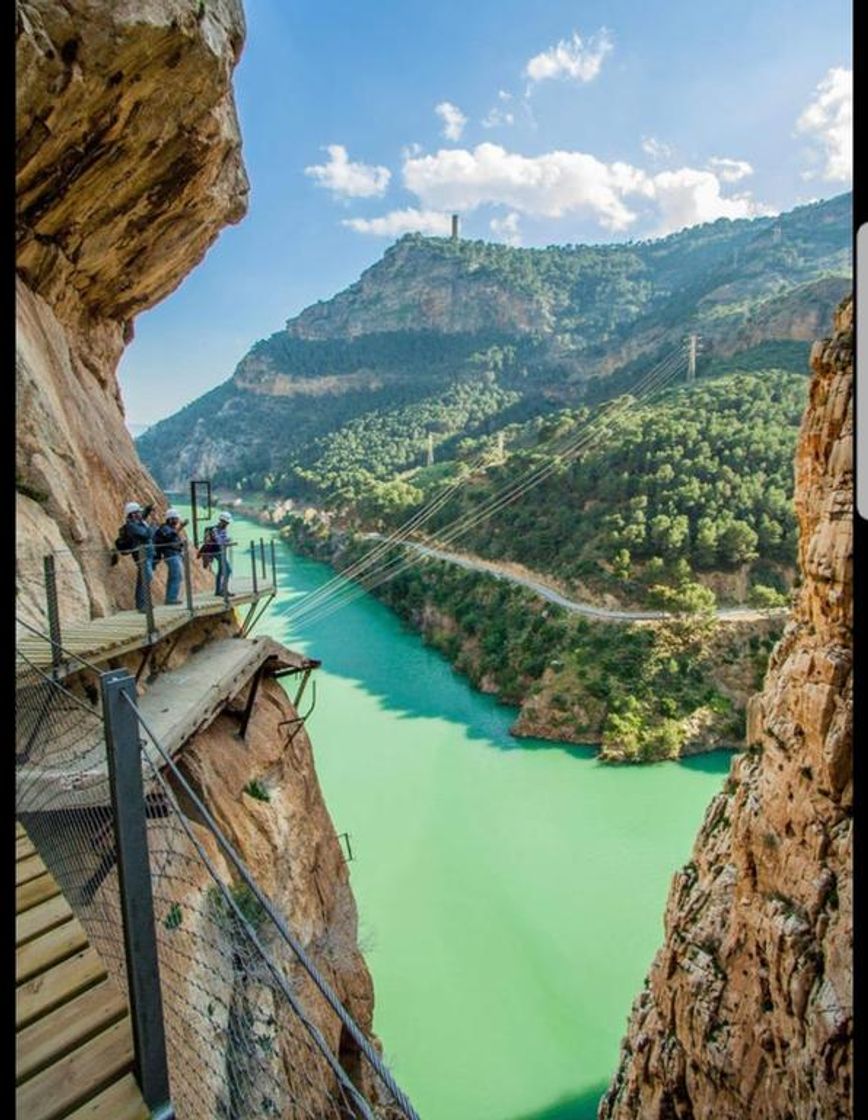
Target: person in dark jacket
[
  {"x": 169, "y": 546},
  {"x": 138, "y": 538}
]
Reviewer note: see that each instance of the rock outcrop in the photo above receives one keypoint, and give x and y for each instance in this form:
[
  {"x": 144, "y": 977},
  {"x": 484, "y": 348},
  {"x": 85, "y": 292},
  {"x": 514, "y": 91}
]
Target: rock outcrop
[
  {"x": 432, "y": 314},
  {"x": 128, "y": 165},
  {"x": 747, "y": 1010}
]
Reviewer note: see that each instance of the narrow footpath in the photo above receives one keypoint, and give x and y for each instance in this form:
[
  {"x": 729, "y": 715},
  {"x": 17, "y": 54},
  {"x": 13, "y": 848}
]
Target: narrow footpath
[{"x": 535, "y": 584}]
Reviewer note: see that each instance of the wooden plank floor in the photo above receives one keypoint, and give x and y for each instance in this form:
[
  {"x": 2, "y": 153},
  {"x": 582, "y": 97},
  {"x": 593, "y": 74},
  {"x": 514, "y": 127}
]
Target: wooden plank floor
[
  {"x": 103, "y": 638},
  {"x": 73, "y": 1042}
]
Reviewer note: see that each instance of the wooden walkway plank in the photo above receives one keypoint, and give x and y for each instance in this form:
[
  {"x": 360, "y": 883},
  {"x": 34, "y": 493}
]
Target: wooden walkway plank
[
  {"x": 121, "y": 1101},
  {"x": 57, "y": 985},
  {"x": 48, "y": 1039},
  {"x": 49, "y": 949},
  {"x": 24, "y": 847},
  {"x": 77, "y": 1077},
  {"x": 39, "y": 919},
  {"x": 35, "y": 891},
  {"x": 27, "y": 869},
  {"x": 124, "y": 631}
]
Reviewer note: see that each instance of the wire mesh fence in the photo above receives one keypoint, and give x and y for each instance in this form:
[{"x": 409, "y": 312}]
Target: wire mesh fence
[{"x": 252, "y": 1028}]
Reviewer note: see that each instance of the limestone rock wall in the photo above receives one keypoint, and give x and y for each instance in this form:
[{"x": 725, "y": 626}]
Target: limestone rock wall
[
  {"x": 128, "y": 165},
  {"x": 747, "y": 1009}
]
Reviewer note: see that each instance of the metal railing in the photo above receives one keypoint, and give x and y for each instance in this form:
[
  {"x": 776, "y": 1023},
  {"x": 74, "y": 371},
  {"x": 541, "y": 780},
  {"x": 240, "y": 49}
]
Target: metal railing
[
  {"x": 228, "y": 1008},
  {"x": 260, "y": 571}
]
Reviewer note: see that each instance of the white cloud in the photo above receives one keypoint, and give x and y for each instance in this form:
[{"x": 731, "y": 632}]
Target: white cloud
[
  {"x": 558, "y": 183},
  {"x": 453, "y": 119},
  {"x": 548, "y": 185},
  {"x": 828, "y": 121},
  {"x": 506, "y": 229},
  {"x": 403, "y": 221},
  {"x": 730, "y": 170},
  {"x": 575, "y": 59},
  {"x": 656, "y": 149},
  {"x": 411, "y": 149},
  {"x": 499, "y": 116},
  {"x": 347, "y": 179},
  {"x": 688, "y": 197}
]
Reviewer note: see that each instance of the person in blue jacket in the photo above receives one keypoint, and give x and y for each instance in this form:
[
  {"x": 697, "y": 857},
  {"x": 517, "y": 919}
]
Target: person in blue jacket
[
  {"x": 169, "y": 546},
  {"x": 137, "y": 534}
]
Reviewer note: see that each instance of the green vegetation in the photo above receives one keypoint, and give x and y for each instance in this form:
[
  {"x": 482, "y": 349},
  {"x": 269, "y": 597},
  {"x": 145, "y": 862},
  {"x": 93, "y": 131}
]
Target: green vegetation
[
  {"x": 634, "y": 689},
  {"x": 698, "y": 479},
  {"x": 225, "y": 916},
  {"x": 174, "y": 917},
  {"x": 508, "y": 335},
  {"x": 257, "y": 790}
]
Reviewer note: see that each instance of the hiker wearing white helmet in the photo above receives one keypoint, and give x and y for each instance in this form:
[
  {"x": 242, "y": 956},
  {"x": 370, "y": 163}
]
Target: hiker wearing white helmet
[
  {"x": 135, "y": 539},
  {"x": 224, "y": 568},
  {"x": 169, "y": 546}
]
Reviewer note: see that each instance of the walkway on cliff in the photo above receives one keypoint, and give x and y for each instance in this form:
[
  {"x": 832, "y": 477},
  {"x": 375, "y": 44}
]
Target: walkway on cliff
[
  {"x": 74, "y": 1052},
  {"x": 535, "y": 584}
]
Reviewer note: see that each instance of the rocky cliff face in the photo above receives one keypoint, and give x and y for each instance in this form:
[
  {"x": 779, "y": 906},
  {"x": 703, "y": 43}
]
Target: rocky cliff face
[
  {"x": 128, "y": 166},
  {"x": 413, "y": 288},
  {"x": 747, "y": 1010}
]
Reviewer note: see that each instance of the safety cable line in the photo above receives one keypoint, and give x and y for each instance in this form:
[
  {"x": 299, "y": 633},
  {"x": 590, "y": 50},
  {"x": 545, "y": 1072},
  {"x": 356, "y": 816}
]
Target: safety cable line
[
  {"x": 72, "y": 657},
  {"x": 446, "y": 536},
  {"x": 275, "y": 971},
  {"x": 57, "y": 684},
  {"x": 591, "y": 432},
  {"x": 425, "y": 513},
  {"x": 650, "y": 382},
  {"x": 325, "y": 989},
  {"x": 401, "y": 563}
]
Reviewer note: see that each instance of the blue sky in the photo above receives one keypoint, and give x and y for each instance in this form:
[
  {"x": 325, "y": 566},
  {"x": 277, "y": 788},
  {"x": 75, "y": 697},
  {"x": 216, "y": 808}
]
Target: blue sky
[{"x": 540, "y": 121}]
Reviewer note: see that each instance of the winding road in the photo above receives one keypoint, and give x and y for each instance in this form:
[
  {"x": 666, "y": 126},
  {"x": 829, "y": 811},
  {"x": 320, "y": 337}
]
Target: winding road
[{"x": 623, "y": 614}]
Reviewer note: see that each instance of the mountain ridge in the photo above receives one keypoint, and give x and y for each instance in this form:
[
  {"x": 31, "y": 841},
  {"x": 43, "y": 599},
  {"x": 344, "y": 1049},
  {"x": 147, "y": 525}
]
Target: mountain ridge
[{"x": 555, "y": 325}]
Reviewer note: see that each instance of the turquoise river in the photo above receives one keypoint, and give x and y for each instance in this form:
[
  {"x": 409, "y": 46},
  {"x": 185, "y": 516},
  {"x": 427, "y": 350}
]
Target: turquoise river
[{"x": 510, "y": 892}]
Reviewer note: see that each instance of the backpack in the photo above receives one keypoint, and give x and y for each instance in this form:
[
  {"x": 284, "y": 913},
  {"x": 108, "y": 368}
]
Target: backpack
[
  {"x": 123, "y": 541},
  {"x": 209, "y": 547}
]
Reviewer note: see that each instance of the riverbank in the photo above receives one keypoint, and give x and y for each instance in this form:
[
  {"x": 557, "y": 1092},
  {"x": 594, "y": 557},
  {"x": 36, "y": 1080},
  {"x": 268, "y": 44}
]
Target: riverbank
[{"x": 640, "y": 690}]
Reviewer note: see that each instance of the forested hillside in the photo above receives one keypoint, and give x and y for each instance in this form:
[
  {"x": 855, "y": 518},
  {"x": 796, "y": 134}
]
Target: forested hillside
[
  {"x": 697, "y": 479},
  {"x": 446, "y": 340}
]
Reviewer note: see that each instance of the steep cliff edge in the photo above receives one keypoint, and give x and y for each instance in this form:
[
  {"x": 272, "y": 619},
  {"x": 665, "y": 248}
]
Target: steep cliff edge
[
  {"x": 128, "y": 165},
  {"x": 747, "y": 1010}
]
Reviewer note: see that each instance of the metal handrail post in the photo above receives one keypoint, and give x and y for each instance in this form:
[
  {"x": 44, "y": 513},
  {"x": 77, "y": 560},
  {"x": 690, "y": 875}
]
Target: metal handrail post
[
  {"x": 224, "y": 561},
  {"x": 124, "y": 757},
  {"x": 273, "y": 566},
  {"x": 262, "y": 557},
  {"x": 194, "y": 512},
  {"x": 141, "y": 555},
  {"x": 188, "y": 579},
  {"x": 53, "y": 613},
  {"x": 253, "y": 567}
]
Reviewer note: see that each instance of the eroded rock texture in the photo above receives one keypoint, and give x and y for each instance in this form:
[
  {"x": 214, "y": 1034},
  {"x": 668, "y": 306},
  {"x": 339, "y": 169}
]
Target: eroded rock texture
[
  {"x": 747, "y": 1010},
  {"x": 128, "y": 166}
]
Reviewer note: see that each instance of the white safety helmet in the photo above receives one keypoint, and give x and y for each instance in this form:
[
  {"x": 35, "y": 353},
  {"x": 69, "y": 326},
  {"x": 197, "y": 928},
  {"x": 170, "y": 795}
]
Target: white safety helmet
[
  {"x": 132, "y": 507},
  {"x": 170, "y": 513},
  {"x": 224, "y": 516}
]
